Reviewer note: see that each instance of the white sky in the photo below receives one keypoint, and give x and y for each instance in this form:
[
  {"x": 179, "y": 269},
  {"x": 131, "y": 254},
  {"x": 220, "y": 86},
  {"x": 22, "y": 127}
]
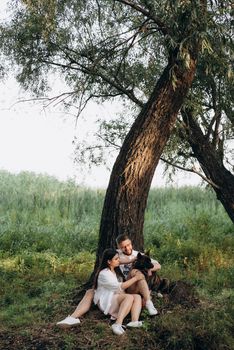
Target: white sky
[{"x": 33, "y": 139}]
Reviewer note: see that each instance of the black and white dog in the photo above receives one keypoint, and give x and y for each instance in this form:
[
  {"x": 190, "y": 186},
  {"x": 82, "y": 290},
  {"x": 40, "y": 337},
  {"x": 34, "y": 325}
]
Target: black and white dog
[{"x": 156, "y": 284}]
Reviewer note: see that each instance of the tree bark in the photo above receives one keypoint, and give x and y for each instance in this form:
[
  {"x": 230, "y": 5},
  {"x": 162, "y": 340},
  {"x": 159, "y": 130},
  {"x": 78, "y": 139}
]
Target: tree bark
[
  {"x": 211, "y": 163},
  {"x": 127, "y": 192}
]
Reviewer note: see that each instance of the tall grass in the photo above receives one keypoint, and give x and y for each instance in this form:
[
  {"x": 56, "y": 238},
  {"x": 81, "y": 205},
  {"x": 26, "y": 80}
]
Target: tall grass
[
  {"x": 39, "y": 213},
  {"x": 186, "y": 229},
  {"x": 48, "y": 236}
]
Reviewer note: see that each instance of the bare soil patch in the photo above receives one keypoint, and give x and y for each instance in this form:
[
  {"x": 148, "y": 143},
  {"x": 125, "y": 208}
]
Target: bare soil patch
[{"x": 94, "y": 332}]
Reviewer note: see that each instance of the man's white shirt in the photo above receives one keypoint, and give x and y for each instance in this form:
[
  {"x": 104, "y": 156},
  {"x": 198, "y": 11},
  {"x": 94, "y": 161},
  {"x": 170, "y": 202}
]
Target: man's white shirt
[{"x": 125, "y": 268}]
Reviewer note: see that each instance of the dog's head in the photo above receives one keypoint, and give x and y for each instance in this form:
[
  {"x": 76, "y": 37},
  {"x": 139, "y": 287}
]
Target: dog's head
[{"x": 143, "y": 263}]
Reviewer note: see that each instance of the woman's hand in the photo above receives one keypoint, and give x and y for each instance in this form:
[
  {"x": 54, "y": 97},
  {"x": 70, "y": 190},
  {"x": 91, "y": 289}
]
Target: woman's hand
[
  {"x": 138, "y": 274},
  {"x": 133, "y": 277}
]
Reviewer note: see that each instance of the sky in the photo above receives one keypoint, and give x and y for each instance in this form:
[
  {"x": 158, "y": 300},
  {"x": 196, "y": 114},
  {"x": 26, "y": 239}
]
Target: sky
[{"x": 41, "y": 140}]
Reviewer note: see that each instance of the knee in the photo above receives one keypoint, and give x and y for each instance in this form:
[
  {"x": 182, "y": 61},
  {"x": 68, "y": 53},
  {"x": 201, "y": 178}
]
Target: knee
[
  {"x": 137, "y": 298},
  {"x": 89, "y": 293},
  {"x": 129, "y": 298}
]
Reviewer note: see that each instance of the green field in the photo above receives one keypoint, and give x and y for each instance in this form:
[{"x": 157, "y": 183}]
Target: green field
[{"x": 48, "y": 238}]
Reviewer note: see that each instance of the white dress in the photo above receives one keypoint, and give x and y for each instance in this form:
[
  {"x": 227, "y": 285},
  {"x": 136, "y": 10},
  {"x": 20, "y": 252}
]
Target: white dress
[{"x": 108, "y": 286}]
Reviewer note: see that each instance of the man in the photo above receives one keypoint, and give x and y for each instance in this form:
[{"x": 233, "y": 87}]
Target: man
[{"x": 127, "y": 257}]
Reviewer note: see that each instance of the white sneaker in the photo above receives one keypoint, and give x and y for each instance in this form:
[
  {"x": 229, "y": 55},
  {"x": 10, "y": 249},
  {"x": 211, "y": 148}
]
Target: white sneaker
[
  {"x": 117, "y": 329},
  {"x": 135, "y": 324},
  {"x": 68, "y": 322},
  {"x": 151, "y": 309}
]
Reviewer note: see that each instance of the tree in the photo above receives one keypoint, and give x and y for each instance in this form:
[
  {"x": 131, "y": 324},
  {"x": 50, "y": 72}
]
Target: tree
[
  {"x": 206, "y": 123},
  {"x": 205, "y": 126},
  {"x": 102, "y": 47}
]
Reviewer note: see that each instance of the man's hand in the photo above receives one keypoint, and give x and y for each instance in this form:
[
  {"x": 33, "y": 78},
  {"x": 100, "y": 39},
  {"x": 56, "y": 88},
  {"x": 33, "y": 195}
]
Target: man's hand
[
  {"x": 149, "y": 272},
  {"x": 156, "y": 267}
]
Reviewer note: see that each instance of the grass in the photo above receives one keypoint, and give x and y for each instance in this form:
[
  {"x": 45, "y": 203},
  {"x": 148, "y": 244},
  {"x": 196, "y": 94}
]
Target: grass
[{"x": 48, "y": 238}]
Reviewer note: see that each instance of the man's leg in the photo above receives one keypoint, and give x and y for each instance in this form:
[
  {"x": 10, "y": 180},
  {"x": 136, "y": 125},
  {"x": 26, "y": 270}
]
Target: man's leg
[{"x": 141, "y": 287}]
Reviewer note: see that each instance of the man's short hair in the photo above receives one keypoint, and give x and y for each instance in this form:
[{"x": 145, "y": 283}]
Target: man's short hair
[{"x": 121, "y": 238}]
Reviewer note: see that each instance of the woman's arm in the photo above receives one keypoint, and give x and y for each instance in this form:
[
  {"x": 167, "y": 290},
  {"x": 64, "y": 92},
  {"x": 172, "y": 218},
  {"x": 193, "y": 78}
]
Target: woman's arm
[
  {"x": 132, "y": 280},
  {"x": 109, "y": 281}
]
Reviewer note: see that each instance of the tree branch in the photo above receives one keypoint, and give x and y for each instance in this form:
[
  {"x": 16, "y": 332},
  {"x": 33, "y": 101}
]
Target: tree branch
[
  {"x": 191, "y": 170},
  {"x": 83, "y": 105},
  {"x": 108, "y": 141},
  {"x": 133, "y": 38},
  {"x": 64, "y": 95},
  {"x": 146, "y": 13},
  {"x": 90, "y": 71},
  {"x": 218, "y": 112}
]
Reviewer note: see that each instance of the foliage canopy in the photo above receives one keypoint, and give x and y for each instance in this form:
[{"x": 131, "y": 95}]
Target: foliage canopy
[{"x": 107, "y": 49}]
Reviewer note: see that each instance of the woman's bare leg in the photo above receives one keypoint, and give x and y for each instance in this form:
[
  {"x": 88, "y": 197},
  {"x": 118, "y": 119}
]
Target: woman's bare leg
[
  {"x": 84, "y": 305},
  {"x": 136, "y": 307},
  {"x": 125, "y": 304}
]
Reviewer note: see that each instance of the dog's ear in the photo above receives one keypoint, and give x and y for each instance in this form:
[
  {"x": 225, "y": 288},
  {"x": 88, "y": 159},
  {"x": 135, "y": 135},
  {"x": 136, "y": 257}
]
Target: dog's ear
[
  {"x": 147, "y": 253},
  {"x": 139, "y": 256}
]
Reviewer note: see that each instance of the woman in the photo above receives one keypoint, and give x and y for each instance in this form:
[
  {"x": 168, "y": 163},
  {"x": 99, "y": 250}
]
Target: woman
[{"x": 109, "y": 293}]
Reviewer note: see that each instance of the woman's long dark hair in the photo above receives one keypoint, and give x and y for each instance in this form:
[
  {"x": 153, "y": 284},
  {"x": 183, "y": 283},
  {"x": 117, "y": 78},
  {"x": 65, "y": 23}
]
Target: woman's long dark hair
[{"x": 108, "y": 254}]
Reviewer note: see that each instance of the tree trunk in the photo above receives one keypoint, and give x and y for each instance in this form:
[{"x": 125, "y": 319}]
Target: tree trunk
[
  {"x": 131, "y": 177},
  {"x": 222, "y": 181}
]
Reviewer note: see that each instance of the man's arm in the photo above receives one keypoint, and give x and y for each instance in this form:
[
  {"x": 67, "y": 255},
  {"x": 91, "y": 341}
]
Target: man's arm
[
  {"x": 156, "y": 264},
  {"x": 156, "y": 267}
]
